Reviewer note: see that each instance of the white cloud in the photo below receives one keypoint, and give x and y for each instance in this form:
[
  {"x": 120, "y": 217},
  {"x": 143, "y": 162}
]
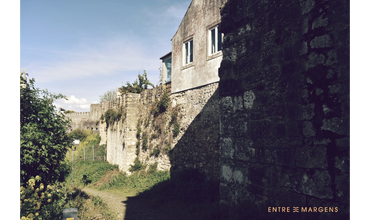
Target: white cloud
[
  {"x": 73, "y": 100},
  {"x": 73, "y": 103}
]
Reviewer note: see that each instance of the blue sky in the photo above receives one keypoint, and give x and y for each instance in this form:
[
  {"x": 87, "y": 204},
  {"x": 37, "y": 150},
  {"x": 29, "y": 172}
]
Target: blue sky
[{"x": 85, "y": 48}]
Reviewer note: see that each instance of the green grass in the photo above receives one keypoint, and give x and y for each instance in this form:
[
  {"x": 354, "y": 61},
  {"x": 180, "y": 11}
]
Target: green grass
[
  {"x": 137, "y": 182},
  {"x": 184, "y": 192},
  {"x": 93, "y": 170}
]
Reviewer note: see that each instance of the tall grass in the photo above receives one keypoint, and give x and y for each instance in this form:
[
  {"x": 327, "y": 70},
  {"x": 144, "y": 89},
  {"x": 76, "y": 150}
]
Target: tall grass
[
  {"x": 93, "y": 170},
  {"x": 137, "y": 182}
]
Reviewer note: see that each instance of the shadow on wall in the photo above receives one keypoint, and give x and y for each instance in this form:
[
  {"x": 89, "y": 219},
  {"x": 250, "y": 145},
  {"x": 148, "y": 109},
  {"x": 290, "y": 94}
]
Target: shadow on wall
[
  {"x": 193, "y": 190},
  {"x": 198, "y": 148}
]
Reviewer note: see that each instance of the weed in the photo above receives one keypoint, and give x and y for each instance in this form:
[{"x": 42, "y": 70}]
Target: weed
[
  {"x": 176, "y": 129},
  {"x": 138, "y": 129},
  {"x": 168, "y": 148},
  {"x": 153, "y": 136},
  {"x": 161, "y": 105},
  {"x": 85, "y": 180},
  {"x": 153, "y": 168},
  {"x": 137, "y": 165},
  {"x": 145, "y": 142},
  {"x": 155, "y": 151},
  {"x": 111, "y": 116}
]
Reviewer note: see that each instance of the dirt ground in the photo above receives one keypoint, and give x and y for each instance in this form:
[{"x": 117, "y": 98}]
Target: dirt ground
[{"x": 114, "y": 201}]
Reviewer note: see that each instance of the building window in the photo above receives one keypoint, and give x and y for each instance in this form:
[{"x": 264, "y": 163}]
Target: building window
[
  {"x": 215, "y": 40},
  {"x": 188, "y": 52},
  {"x": 168, "y": 66}
]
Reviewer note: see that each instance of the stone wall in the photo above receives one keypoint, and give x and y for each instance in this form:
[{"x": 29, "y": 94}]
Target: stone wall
[
  {"x": 195, "y": 146},
  {"x": 284, "y": 89}
]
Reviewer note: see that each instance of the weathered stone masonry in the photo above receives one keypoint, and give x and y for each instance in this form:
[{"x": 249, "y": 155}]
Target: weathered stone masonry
[
  {"x": 284, "y": 89},
  {"x": 196, "y": 145}
]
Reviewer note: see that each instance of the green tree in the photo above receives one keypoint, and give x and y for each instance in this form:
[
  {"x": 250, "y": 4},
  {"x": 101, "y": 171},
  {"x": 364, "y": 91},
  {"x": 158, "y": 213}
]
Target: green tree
[
  {"x": 43, "y": 134},
  {"x": 78, "y": 134},
  {"x": 137, "y": 86},
  {"x": 108, "y": 96}
]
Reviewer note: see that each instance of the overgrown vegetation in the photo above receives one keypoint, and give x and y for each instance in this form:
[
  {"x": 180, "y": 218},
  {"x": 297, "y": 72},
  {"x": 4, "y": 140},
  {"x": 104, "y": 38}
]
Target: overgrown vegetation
[
  {"x": 145, "y": 142},
  {"x": 87, "y": 145},
  {"x": 155, "y": 152},
  {"x": 108, "y": 96},
  {"x": 161, "y": 105},
  {"x": 39, "y": 201},
  {"x": 44, "y": 143},
  {"x": 138, "y": 165},
  {"x": 43, "y": 139},
  {"x": 69, "y": 111},
  {"x": 138, "y": 86},
  {"x": 112, "y": 115}
]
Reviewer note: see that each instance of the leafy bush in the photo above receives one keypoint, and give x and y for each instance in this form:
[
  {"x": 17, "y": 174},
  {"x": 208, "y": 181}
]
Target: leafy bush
[
  {"x": 42, "y": 202},
  {"x": 111, "y": 116},
  {"x": 137, "y": 86},
  {"x": 137, "y": 165},
  {"x": 79, "y": 134},
  {"x": 162, "y": 104},
  {"x": 43, "y": 134}
]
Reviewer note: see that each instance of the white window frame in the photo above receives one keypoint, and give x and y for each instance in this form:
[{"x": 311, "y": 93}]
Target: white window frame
[
  {"x": 217, "y": 43},
  {"x": 186, "y": 47}
]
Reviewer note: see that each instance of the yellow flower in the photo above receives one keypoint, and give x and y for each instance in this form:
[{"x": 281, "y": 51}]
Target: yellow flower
[
  {"x": 37, "y": 214},
  {"x": 41, "y": 186},
  {"x": 49, "y": 200},
  {"x": 31, "y": 182},
  {"x": 49, "y": 195}
]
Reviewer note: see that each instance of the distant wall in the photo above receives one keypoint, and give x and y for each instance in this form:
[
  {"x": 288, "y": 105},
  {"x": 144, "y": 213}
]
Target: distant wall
[
  {"x": 284, "y": 89},
  {"x": 84, "y": 120}
]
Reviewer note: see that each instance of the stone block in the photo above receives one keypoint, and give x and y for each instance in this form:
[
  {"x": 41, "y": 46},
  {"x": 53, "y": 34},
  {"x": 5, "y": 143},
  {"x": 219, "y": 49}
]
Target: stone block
[
  {"x": 226, "y": 148},
  {"x": 317, "y": 184},
  {"x": 308, "y": 129},
  {"x": 336, "y": 125},
  {"x": 322, "y": 41},
  {"x": 311, "y": 156}
]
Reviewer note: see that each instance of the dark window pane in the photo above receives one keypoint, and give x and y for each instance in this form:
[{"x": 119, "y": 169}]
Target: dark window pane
[
  {"x": 219, "y": 46},
  {"x": 191, "y": 51},
  {"x": 213, "y": 42}
]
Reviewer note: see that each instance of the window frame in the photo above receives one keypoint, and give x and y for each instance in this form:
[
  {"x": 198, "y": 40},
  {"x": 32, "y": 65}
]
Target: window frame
[
  {"x": 217, "y": 45},
  {"x": 187, "y": 46}
]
